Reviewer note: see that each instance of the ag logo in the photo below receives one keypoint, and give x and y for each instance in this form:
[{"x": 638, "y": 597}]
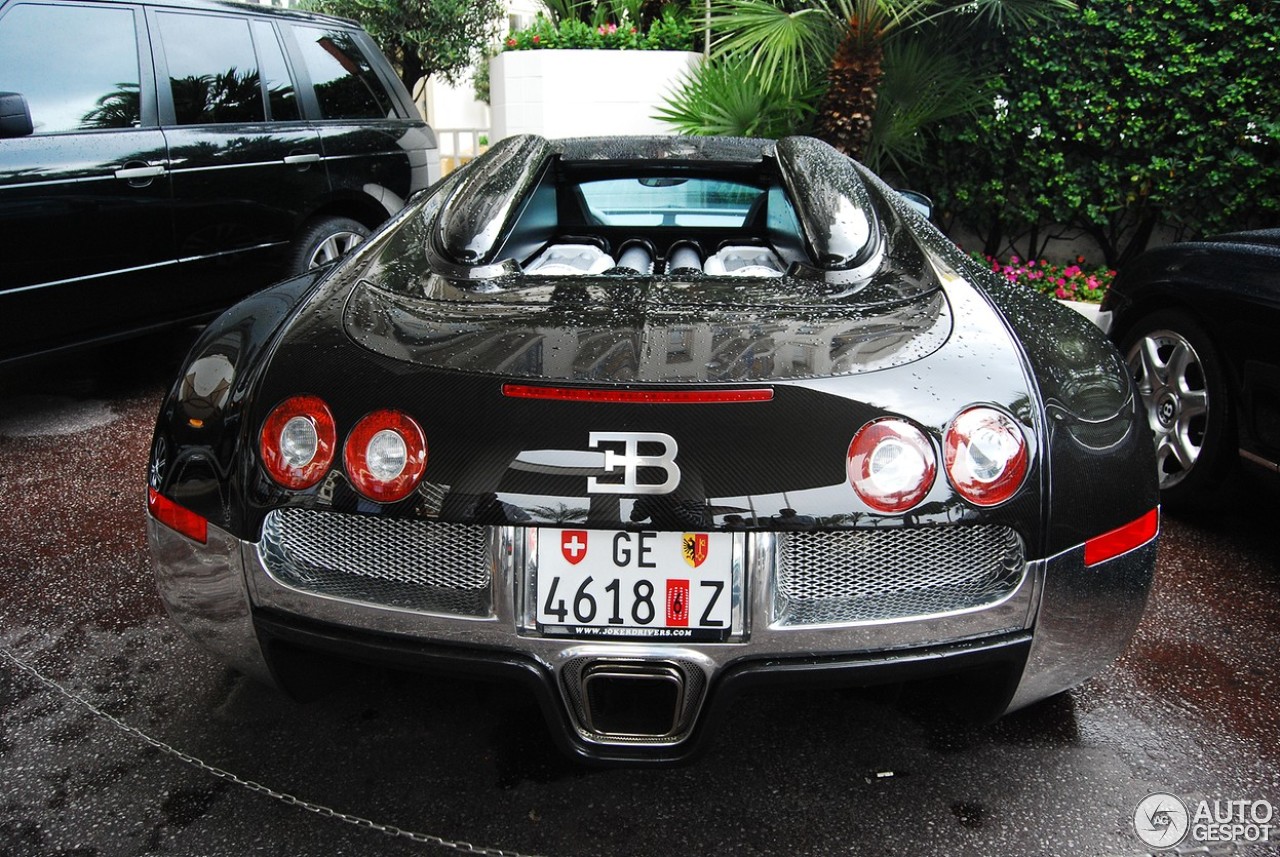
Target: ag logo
[
  {"x": 573, "y": 544},
  {"x": 1161, "y": 820},
  {"x": 629, "y": 461}
]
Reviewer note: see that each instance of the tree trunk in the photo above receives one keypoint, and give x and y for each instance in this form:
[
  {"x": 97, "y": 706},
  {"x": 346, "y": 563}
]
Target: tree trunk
[
  {"x": 1033, "y": 242},
  {"x": 991, "y": 241},
  {"x": 1104, "y": 242},
  {"x": 1139, "y": 239},
  {"x": 411, "y": 69},
  {"x": 845, "y": 114}
]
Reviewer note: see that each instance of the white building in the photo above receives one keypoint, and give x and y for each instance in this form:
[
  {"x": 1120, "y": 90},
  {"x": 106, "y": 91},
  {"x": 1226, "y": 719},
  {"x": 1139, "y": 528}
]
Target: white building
[{"x": 460, "y": 121}]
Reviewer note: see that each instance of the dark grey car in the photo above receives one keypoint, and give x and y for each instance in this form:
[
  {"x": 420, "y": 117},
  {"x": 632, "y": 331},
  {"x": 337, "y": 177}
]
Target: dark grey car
[{"x": 1195, "y": 321}]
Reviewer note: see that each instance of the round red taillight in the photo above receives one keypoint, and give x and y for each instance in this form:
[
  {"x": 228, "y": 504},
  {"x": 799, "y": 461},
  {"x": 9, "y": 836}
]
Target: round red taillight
[
  {"x": 298, "y": 442},
  {"x": 385, "y": 456},
  {"x": 891, "y": 465},
  {"x": 985, "y": 454}
]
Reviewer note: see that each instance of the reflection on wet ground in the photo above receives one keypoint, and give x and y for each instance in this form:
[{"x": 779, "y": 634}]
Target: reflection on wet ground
[{"x": 1190, "y": 709}]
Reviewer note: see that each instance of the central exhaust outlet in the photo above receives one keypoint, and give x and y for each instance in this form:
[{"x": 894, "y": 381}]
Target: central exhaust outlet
[{"x": 633, "y": 699}]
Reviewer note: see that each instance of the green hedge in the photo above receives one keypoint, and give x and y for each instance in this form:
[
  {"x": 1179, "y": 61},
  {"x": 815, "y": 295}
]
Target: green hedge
[
  {"x": 1116, "y": 119},
  {"x": 671, "y": 32}
]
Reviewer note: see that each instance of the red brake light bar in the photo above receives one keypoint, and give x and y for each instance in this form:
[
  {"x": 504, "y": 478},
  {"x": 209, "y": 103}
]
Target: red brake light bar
[
  {"x": 1122, "y": 539},
  {"x": 636, "y": 397},
  {"x": 177, "y": 518}
]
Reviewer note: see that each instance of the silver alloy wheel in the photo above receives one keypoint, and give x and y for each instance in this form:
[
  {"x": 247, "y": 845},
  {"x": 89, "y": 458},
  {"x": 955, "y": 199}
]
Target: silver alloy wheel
[
  {"x": 1171, "y": 381},
  {"x": 334, "y": 247}
]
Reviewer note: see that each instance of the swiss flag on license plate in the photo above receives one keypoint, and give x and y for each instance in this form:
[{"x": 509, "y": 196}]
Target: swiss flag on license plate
[{"x": 573, "y": 544}]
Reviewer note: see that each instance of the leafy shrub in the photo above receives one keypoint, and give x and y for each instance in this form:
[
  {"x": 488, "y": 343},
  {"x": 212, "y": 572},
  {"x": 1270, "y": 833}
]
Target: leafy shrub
[
  {"x": 721, "y": 96},
  {"x": 542, "y": 34},
  {"x": 1119, "y": 118},
  {"x": 671, "y": 32}
]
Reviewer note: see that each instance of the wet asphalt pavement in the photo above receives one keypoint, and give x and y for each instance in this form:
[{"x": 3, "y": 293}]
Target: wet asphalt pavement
[{"x": 1191, "y": 709}]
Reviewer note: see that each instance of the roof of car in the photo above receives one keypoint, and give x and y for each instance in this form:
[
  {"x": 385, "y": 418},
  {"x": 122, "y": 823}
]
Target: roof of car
[
  {"x": 240, "y": 8},
  {"x": 1261, "y": 237}
]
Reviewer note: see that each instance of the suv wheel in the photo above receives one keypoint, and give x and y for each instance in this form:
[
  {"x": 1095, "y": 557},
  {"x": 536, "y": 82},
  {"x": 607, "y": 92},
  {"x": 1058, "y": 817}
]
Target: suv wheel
[{"x": 324, "y": 241}]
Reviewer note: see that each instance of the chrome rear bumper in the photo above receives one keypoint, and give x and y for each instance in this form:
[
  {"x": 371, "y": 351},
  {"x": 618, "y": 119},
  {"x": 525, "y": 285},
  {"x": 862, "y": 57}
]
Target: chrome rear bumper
[{"x": 1076, "y": 620}]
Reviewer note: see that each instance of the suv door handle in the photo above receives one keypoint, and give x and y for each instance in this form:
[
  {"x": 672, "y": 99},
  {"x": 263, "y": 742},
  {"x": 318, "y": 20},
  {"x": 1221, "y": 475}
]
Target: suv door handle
[
  {"x": 135, "y": 173},
  {"x": 302, "y": 159}
]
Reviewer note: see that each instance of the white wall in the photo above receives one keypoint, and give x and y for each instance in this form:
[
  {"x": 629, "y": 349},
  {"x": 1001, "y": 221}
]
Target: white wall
[
  {"x": 573, "y": 93},
  {"x": 454, "y": 106}
]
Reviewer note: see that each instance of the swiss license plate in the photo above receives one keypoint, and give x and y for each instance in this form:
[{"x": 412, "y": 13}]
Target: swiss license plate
[{"x": 635, "y": 584}]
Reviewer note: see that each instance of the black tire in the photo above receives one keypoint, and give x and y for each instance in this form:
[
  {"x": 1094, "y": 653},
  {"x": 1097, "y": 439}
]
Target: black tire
[
  {"x": 323, "y": 241},
  {"x": 1187, "y": 401}
]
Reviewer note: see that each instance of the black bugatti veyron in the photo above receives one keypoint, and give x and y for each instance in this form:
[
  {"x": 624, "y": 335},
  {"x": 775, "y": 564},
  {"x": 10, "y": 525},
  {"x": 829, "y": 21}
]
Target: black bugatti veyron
[{"x": 640, "y": 423}]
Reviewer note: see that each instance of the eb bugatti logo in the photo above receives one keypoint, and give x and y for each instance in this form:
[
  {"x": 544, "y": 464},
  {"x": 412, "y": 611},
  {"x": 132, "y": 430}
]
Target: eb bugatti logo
[
  {"x": 630, "y": 461},
  {"x": 695, "y": 546},
  {"x": 573, "y": 544}
]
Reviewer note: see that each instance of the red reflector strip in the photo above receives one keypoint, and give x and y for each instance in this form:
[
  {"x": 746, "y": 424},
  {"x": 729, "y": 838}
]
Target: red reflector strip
[
  {"x": 1122, "y": 539},
  {"x": 636, "y": 397},
  {"x": 176, "y": 518}
]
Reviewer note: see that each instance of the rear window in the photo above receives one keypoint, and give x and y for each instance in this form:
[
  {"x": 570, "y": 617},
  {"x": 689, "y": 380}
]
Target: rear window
[
  {"x": 669, "y": 202},
  {"x": 346, "y": 85}
]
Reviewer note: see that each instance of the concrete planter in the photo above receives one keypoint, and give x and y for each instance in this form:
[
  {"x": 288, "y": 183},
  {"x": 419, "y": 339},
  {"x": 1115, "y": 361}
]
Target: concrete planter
[{"x": 582, "y": 92}]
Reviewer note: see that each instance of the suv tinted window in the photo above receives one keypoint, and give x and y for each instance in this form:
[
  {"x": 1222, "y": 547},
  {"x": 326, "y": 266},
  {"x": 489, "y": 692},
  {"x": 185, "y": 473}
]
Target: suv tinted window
[
  {"x": 213, "y": 71},
  {"x": 346, "y": 85},
  {"x": 275, "y": 74},
  {"x": 76, "y": 65}
]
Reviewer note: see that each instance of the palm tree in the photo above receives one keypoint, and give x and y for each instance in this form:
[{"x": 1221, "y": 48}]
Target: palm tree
[
  {"x": 885, "y": 68},
  {"x": 120, "y": 108}
]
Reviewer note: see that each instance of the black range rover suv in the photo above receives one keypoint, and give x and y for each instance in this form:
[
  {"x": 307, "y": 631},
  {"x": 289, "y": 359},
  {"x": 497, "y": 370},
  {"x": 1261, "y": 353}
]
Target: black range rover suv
[{"x": 158, "y": 161}]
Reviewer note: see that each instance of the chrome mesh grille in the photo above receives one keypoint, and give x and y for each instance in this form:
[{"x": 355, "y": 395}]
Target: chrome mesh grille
[
  {"x": 876, "y": 575},
  {"x": 416, "y": 565}
]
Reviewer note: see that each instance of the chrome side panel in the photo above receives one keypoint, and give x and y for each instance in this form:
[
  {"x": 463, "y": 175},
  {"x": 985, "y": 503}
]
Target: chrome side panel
[
  {"x": 203, "y": 588},
  {"x": 1086, "y": 618}
]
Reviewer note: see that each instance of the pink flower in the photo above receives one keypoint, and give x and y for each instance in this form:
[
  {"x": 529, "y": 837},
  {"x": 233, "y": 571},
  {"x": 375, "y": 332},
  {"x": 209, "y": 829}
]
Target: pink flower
[
  {"x": 537, "y": 39},
  {"x": 1061, "y": 293},
  {"x": 511, "y": 43},
  {"x": 1071, "y": 271}
]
